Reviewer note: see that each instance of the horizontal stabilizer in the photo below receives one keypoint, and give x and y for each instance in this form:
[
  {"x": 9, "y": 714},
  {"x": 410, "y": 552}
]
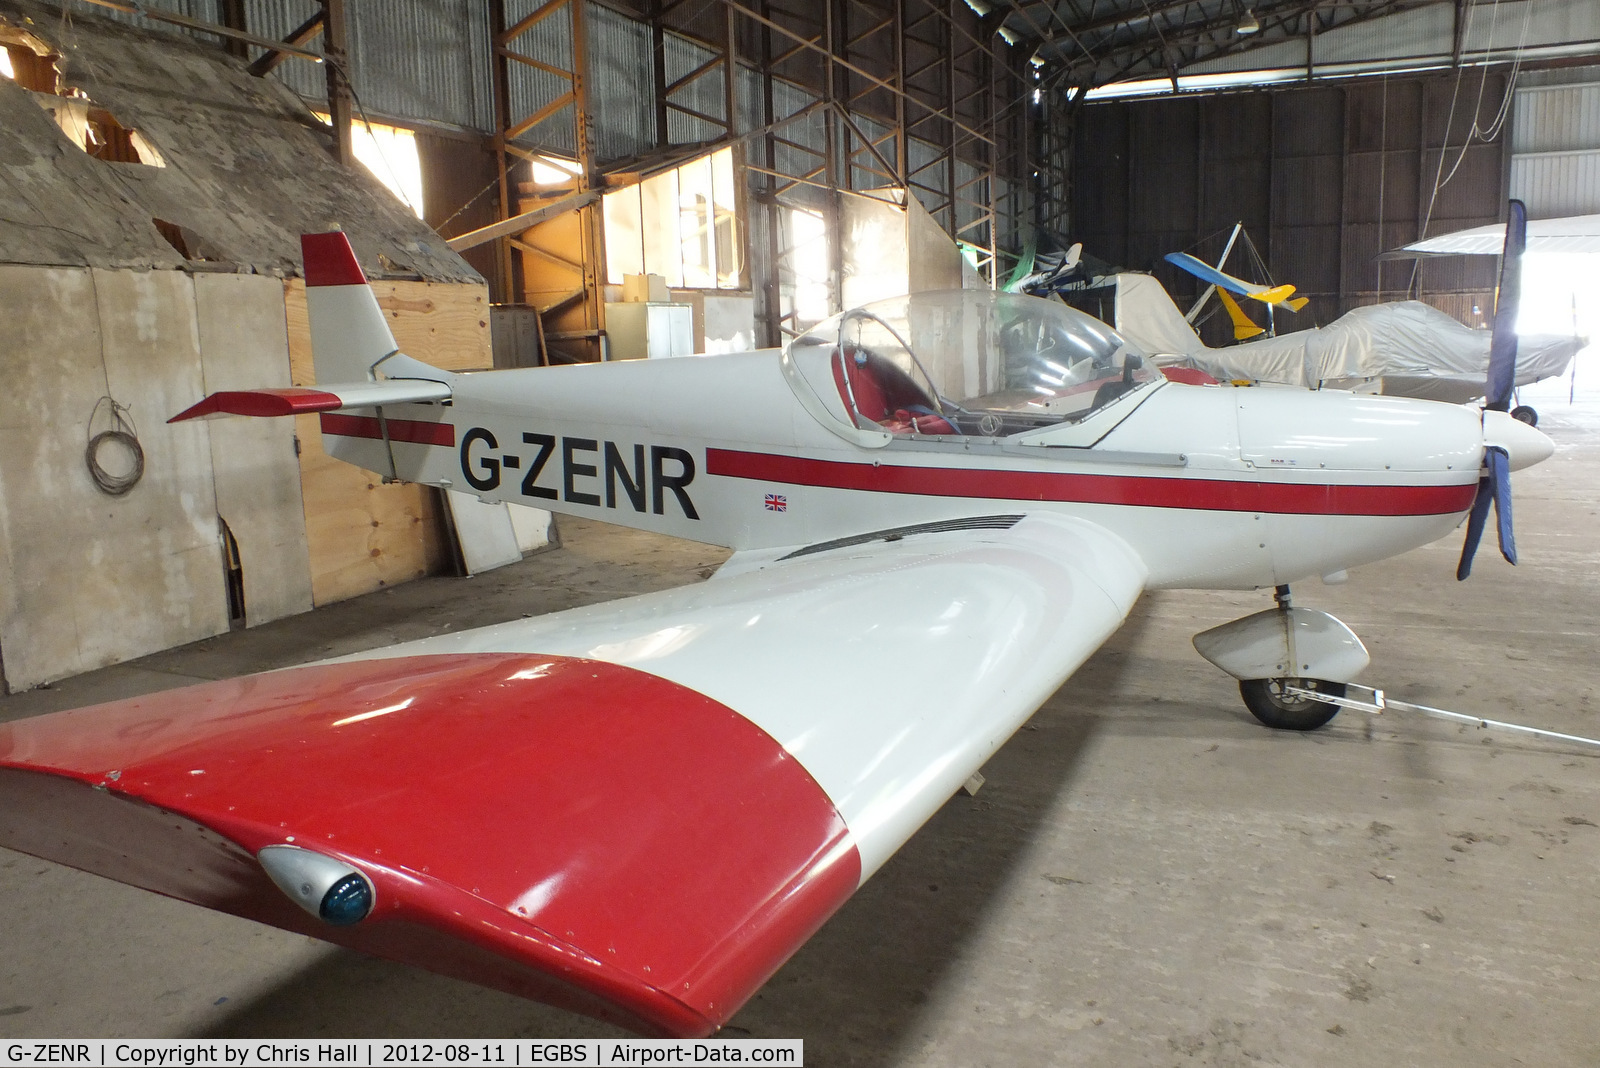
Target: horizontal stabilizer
[
  {"x": 298, "y": 400},
  {"x": 1297, "y": 303},
  {"x": 1274, "y": 294}
]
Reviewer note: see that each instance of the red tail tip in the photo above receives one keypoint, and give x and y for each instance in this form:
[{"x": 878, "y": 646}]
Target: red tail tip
[{"x": 330, "y": 261}]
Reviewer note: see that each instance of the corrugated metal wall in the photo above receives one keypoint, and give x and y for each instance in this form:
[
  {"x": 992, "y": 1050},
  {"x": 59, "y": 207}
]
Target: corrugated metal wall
[
  {"x": 1555, "y": 143},
  {"x": 1409, "y": 38},
  {"x": 549, "y": 42},
  {"x": 1323, "y": 178},
  {"x": 622, "y": 83},
  {"x": 706, "y": 94},
  {"x": 429, "y": 61},
  {"x": 422, "y": 60}
]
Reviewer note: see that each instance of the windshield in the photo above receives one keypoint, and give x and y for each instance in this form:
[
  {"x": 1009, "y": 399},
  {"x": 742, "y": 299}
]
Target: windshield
[{"x": 966, "y": 363}]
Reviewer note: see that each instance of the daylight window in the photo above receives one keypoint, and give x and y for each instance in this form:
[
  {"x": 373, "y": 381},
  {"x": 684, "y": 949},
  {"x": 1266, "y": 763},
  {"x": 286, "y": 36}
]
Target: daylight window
[
  {"x": 390, "y": 153},
  {"x": 682, "y": 224}
]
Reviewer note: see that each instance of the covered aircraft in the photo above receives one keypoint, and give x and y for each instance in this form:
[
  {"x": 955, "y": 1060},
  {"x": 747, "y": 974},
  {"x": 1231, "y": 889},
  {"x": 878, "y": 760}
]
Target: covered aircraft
[
  {"x": 1399, "y": 348},
  {"x": 941, "y": 505},
  {"x": 1403, "y": 348}
]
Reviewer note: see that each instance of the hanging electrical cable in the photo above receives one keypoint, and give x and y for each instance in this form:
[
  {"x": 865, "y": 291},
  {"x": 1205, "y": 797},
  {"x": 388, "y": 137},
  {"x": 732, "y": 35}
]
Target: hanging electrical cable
[{"x": 1477, "y": 132}]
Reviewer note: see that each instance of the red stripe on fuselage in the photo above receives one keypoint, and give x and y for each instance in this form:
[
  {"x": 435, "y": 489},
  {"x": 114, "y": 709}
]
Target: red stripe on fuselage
[
  {"x": 412, "y": 430},
  {"x": 557, "y": 827},
  {"x": 1203, "y": 494}
]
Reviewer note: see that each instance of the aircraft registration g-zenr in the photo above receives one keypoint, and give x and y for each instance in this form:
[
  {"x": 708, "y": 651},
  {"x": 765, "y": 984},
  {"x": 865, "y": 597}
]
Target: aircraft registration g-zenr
[{"x": 940, "y": 506}]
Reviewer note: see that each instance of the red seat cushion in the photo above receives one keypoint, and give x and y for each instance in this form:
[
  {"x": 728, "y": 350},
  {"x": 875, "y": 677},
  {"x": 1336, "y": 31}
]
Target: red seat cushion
[
  {"x": 863, "y": 385},
  {"x": 885, "y": 403}
]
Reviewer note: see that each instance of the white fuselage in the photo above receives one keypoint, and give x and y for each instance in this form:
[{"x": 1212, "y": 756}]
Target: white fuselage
[{"x": 1212, "y": 487}]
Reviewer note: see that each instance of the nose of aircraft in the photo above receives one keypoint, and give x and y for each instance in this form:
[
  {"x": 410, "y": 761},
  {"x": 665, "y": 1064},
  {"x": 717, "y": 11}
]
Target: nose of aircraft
[{"x": 1523, "y": 444}]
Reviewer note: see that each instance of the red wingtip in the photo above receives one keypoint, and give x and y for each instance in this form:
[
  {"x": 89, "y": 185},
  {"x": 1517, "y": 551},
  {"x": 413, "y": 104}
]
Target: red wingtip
[
  {"x": 330, "y": 261},
  {"x": 261, "y": 402},
  {"x": 559, "y": 828}
]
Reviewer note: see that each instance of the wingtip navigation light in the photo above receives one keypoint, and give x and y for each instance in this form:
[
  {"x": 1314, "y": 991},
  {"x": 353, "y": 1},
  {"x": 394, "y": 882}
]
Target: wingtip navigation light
[{"x": 329, "y": 889}]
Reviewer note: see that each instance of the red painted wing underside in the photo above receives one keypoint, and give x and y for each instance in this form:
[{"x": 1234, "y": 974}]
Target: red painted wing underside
[
  {"x": 261, "y": 402},
  {"x": 568, "y": 830}
]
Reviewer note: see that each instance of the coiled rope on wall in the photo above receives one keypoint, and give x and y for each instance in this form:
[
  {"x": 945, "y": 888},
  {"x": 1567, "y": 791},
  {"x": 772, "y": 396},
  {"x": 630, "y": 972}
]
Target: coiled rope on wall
[{"x": 121, "y": 435}]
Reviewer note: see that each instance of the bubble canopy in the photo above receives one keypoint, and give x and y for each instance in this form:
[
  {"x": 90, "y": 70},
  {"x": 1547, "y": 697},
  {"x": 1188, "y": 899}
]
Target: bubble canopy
[{"x": 963, "y": 364}]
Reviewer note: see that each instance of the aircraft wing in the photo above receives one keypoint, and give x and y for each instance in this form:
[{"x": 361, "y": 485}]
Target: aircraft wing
[
  {"x": 1207, "y": 273},
  {"x": 637, "y": 810},
  {"x": 1575, "y": 233}
]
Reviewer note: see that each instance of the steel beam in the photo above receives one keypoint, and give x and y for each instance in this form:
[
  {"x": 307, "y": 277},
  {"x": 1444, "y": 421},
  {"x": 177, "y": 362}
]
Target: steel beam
[
  {"x": 306, "y": 31},
  {"x": 336, "y": 60}
]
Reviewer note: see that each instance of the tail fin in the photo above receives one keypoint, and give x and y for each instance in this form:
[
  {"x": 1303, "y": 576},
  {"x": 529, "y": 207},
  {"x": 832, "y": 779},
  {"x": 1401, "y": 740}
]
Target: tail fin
[
  {"x": 1147, "y": 317},
  {"x": 1243, "y": 327},
  {"x": 348, "y": 333}
]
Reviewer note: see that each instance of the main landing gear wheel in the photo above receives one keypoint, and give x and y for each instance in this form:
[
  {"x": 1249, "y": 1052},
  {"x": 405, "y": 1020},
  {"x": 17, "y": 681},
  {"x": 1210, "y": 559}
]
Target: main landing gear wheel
[
  {"x": 1525, "y": 414},
  {"x": 1266, "y": 700}
]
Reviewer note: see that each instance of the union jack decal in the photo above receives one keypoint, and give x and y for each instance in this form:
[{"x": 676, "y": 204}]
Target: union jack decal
[{"x": 777, "y": 502}]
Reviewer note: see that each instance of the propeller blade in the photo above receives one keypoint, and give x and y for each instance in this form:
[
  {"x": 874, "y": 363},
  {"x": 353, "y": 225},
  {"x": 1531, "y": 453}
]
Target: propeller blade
[
  {"x": 1480, "y": 512},
  {"x": 1503, "y": 344},
  {"x": 1500, "y": 474},
  {"x": 1493, "y": 488}
]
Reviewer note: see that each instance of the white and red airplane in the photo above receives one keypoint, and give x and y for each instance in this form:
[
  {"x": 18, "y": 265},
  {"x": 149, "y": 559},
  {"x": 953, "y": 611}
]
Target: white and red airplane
[{"x": 941, "y": 505}]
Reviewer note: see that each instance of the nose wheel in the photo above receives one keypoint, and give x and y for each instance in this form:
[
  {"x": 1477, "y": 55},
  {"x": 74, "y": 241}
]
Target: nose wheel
[
  {"x": 1260, "y": 650},
  {"x": 1268, "y": 701}
]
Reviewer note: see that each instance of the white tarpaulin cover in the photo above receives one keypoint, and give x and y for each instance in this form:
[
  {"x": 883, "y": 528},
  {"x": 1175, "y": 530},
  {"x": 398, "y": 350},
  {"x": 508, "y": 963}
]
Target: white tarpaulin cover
[{"x": 1415, "y": 349}]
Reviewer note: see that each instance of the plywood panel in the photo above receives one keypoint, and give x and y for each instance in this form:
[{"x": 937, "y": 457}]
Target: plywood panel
[
  {"x": 86, "y": 579},
  {"x": 443, "y": 324},
  {"x": 244, "y": 345},
  {"x": 363, "y": 535}
]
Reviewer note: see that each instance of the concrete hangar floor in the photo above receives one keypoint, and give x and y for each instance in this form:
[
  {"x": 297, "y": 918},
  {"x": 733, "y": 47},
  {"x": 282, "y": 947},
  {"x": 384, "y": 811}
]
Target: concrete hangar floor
[{"x": 1149, "y": 877}]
